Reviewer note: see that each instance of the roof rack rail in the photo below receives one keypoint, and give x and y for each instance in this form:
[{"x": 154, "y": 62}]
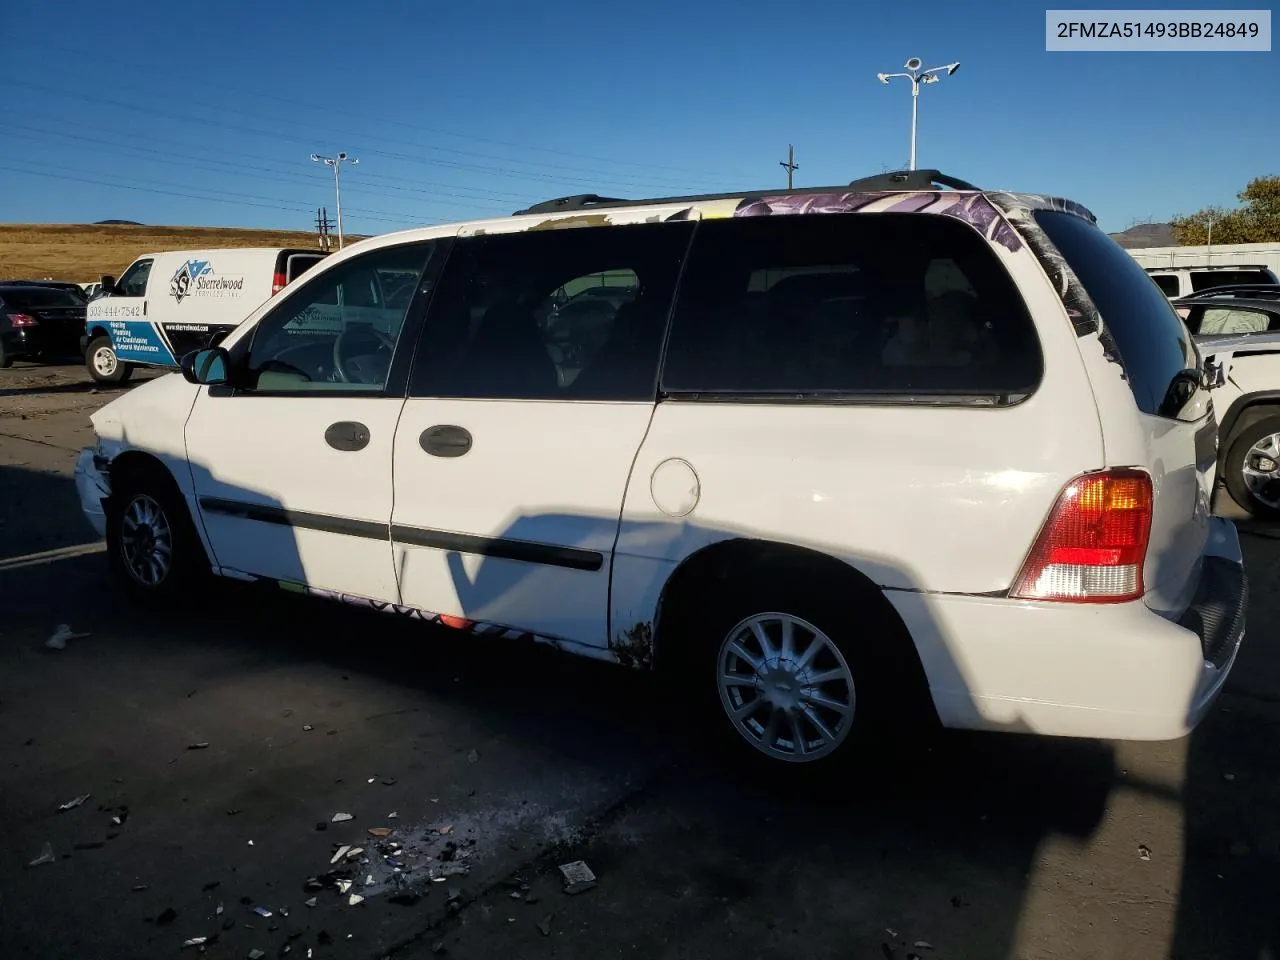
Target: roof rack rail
[
  {"x": 578, "y": 201},
  {"x": 912, "y": 180}
]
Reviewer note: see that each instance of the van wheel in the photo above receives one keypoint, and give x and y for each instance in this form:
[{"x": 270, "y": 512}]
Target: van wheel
[
  {"x": 151, "y": 541},
  {"x": 1251, "y": 470},
  {"x": 102, "y": 363},
  {"x": 797, "y": 678}
]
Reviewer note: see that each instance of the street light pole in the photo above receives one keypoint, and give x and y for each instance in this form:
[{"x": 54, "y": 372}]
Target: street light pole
[
  {"x": 917, "y": 76},
  {"x": 336, "y": 163}
]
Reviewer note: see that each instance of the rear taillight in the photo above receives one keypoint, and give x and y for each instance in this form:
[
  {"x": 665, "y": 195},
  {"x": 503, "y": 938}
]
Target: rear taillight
[
  {"x": 278, "y": 283},
  {"x": 23, "y": 320},
  {"x": 1092, "y": 547}
]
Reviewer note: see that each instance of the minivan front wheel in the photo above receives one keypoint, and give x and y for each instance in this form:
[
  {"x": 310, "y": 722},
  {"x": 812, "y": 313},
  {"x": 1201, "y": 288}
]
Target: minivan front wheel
[
  {"x": 1252, "y": 468},
  {"x": 102, "y": 363},
  {"x": 152, "y": 543}
]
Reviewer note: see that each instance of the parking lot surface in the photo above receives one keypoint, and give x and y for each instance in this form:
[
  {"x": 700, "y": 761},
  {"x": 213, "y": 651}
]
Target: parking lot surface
[{"x": 218, "y": 744}]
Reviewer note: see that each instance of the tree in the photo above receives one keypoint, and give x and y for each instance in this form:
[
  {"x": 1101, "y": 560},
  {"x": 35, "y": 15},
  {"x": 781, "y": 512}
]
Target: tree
[{"x": 1256, "y": 221}]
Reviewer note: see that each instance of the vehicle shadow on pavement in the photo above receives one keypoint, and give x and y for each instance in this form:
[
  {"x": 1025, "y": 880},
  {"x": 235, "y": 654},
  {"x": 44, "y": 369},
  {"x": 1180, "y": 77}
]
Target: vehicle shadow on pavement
[
  {"x": 41, "y": 512},
  {"x": 1230, "y": 882}
]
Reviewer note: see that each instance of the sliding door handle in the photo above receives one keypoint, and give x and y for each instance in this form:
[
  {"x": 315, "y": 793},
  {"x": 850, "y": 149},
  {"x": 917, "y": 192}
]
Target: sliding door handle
[{"x": 445, "y": 441}]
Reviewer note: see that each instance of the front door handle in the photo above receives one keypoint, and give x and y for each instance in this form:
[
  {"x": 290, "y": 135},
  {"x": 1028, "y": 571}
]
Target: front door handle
[
  {"x": 347, "y": 435},
  {"x": 444, "y": 440}
]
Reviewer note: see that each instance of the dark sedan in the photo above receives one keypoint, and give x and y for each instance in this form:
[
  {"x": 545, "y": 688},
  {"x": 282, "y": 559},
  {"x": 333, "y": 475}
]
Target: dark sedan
[{"x": 39, "y": 322}]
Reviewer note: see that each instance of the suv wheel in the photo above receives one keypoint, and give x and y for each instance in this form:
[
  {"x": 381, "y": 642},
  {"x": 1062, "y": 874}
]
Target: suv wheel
[
  {"x": 6, "y": 359},
  {"x": 152, "y": 543},
  {"x": 1251, "y": 469},
  {"x": 102, "y": 363}
]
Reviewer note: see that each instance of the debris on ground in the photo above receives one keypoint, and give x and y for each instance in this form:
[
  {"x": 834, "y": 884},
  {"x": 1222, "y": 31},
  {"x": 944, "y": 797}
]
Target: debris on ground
[
  {"x": 473, "y": 756},
  {"x": 283, "y": 911},
  {"x": 341, "y": 852},
  {"x": 354, "y": 899},
  {"x": 202, "y": 745},
  {"x": 46, "y": 856},
  {"x": 388, "y": 781},
  {"x": 256, "y": 954},
  {"x": 380, "y": 832},
  {"x": 195, "y": 942},
  {"x": 218, "y": 912},
  {"x": 307, "y": 727},
  {"x": 138, "y": 888},
  {"x": 577, "y": 877},
  {"x": 1144, "y": 852},
  {"x": 446, "y": 830},
  {"x": 341, "y": 818},
  {"x": 544, "y": 925},
  {"x": 167, "y": 917},
  {"x": 923, "y": 945},
  {"x": 311, "y": 902},
  {"x": 1228, "y": 777},
  {"x": 61, "y": 634},
  {"x": 119, "y": 819},
  {"x": 438, "y": 947},
  {"x": 73, "y": 803},
  {"x": 393, "y": 815},
  {"x": 262, "y": 912},
  {"x": 344, "y": 886}
]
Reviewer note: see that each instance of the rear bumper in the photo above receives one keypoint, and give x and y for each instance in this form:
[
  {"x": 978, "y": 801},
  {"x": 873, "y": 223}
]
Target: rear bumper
[
  {"x": 93, "y": 487},
  {"x": 1107, "y": 671}
]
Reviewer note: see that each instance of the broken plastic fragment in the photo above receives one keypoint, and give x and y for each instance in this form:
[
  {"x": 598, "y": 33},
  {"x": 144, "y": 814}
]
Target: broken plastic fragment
[
  {"x": 354, "y": 899},
  {"x": 256, "y": 954},
  {"x": 262, "y": 912},
  {"x": 544, "y": 925},
  {"x": 342, "y": 852},
  {"x": 72, "y": 804},
  {"x": 195, "y": 942},
  {"x": 307, "y": 727},
  {"x": 379, "y": 832},
  {"x": 373, "y": 779},
  {"x": 283, "y": 911},
  {"x": 473, "y": 756},
  {"x": 1144, "y": 852},
  {"x": 344, "y": 886},
  {"x": 369, "y": 881},
  {"x": 310, "y": 903},
  {"x": 61, "y": 634},
  {"x": 202, "y": 745},
  {"x": 577, "y": 877},
  {"x": 923, "y": 945},
  {"x": 354, "y": 852},
  {"x": 393, "y": 815},
  {"x": 341, "y": 818},
  {"x": 46, "y": 856},
  {"x": 446, "y": 830},
  {"x": 218, "y": 912}
]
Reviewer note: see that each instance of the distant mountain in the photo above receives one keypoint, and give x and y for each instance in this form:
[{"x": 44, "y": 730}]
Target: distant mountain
[
  {"x": 117, "y": 223},
  {"x": 1146, "y": 235}
]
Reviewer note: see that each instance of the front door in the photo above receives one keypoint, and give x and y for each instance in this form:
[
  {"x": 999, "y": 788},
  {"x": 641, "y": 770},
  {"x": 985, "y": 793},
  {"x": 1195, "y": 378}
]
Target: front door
[
  {"x": 292, "y": 463},
  {"x": 124, "y": 316},
  {"x": 530, "y": 395}
]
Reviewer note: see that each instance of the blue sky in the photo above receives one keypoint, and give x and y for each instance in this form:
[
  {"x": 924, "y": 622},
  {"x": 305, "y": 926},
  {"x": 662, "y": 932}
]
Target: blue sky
[{"x": 207, "y": 114}]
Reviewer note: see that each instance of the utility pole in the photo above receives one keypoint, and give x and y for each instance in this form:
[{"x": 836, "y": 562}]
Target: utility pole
[
  {"x": 336, "y": 164},
  {"x": 323, "y": 226},
  {"x": 790, "y": 164}
]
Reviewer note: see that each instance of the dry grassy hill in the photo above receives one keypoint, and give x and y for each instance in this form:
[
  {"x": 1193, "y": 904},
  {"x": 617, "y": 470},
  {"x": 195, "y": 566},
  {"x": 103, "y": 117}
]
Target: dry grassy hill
[{"x": 83, "y": 252}]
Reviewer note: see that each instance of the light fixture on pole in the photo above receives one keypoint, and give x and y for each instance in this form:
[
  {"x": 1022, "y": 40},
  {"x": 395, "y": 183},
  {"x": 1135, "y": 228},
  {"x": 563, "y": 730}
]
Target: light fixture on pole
[
  {"x": 918, "y": 77},
  {"x": 336, "y": 163}
]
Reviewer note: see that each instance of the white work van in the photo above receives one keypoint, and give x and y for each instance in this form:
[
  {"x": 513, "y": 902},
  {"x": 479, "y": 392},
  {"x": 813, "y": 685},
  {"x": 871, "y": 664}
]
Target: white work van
[{"x": 166, "y": 305}]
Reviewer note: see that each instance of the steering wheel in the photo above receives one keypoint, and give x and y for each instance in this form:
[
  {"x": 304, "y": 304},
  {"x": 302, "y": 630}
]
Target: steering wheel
[{"x": 348, "y": 345}]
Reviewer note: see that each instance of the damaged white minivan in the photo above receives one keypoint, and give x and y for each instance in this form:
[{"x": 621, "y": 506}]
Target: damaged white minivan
[{"x": 838, "y": 459}]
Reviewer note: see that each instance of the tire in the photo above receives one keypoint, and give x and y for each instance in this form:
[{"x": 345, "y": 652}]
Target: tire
[
  {"x": 6, "y": 361},
  {"x": 1239, "y": 453},
  {"x": 102, "y": 363},
  {"x": 880, "y": 686},
  {"x": 144, "y": 513}
]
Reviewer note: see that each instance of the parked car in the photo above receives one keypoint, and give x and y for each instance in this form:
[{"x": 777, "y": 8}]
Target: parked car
[
  {"x": 91, "y": 290},
  {"x": 72, "y": 288},
  {"x": 1238, "y": 331},
  {"x": 167, "y": 304},
  {"x": 1181, "y": 282},
  {"x": 851, "y": 459},
  {"x": 38, "y": 322}
]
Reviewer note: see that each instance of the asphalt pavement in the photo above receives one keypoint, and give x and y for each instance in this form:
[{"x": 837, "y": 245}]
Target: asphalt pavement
[{"x": 218, "y": 744}]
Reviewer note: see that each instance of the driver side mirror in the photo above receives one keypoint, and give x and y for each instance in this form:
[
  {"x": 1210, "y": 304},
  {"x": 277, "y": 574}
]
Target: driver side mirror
[
  {"x": 108, "y": 287},
  {"x": 1215, "y": 373},
  {"x": 209, "y": 367}
]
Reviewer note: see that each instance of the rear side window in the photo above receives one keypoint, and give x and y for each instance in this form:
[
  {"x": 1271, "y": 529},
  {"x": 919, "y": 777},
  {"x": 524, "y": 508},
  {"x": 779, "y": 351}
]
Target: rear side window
[
  {"x": 872, "y": 305},
  {"x": 1153, "y": 343},
  {"x": 1216, "y": 321},
  {"x": 1168, "y": 284},
  {"x": 1204, "y": 279}
]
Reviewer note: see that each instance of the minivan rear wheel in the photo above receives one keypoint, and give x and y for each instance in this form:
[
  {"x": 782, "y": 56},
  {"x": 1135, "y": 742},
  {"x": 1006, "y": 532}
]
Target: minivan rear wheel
[
  {"x": 102, "y": 363},
  {"x": 1251, "y": 470},
  {"x": 790, "y": 675}
]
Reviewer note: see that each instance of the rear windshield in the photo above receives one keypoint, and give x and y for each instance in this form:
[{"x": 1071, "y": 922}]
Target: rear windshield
[
  {"x": 300, "y": 264},
  {"x": 1154, "y": 344},
  {"x": 1168, "y": 284},
  {"x": 1204, "y": 279},
  {"x": 39, "y": 297}
]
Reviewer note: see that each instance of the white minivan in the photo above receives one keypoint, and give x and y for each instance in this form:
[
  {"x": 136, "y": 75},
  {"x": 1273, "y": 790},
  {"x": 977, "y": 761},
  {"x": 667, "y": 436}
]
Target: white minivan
[
  {"x": 167, "y": 304},
  {"x": 836, "y": 460}
]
